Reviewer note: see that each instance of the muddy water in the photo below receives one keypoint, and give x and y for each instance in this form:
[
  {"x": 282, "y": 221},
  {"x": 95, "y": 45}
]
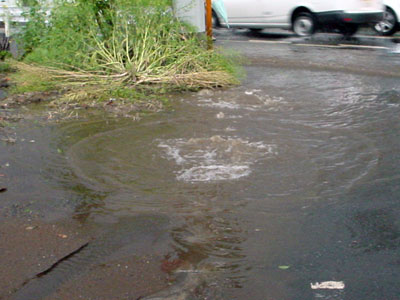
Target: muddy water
[{"x": 261, "y": 190}]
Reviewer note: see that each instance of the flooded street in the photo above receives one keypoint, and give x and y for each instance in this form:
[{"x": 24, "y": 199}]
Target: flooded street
[{"x": 257, "y": 192}]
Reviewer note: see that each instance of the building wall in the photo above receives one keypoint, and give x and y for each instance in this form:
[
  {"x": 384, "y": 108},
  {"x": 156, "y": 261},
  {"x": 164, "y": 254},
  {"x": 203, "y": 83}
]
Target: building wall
[{"x": 192, "y": 12}]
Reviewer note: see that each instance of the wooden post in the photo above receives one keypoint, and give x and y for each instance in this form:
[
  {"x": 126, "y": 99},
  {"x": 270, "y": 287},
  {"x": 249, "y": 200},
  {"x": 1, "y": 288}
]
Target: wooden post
[{"x": 209, "y": 22}]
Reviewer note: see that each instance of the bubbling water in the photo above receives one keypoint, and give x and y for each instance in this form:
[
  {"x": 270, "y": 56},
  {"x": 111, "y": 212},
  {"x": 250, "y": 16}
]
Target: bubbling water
[{"x": 216, "y": 158}]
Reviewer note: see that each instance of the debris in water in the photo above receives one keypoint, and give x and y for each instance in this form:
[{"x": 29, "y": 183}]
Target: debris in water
[
  {"x": 10, "y": 140},
  {"x": 220, "y": 115},
  {"x": 2, "y": 190},
  {"x": 169, "y": 264},
  {"x": 183, "y": 288},
  {"x": 63, "y": 236},
  {"x": 328, "y": 285},
  {"x": 284, "y": 267},
  {"x": 205, "y": 92}
]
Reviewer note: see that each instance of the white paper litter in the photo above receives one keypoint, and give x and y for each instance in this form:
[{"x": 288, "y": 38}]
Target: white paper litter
[{"x": 328, "y": 285}]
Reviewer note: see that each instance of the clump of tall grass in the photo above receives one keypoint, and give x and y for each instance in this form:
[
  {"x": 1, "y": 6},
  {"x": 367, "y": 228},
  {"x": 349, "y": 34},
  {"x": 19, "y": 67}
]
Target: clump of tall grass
[
  {"x": 121, "y": 44},
  {"x": 4, "y": 67}
]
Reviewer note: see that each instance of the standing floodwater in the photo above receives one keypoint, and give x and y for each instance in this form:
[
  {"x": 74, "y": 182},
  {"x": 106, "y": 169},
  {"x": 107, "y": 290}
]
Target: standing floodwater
[
  {"x": 265, "y": 183},
  {"x": 273, "y": 190}
]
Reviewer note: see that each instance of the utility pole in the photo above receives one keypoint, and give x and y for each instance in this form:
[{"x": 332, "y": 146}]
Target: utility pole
[
  {"x": 209, "y": 19},
  {"x": 209, "y": 31}
]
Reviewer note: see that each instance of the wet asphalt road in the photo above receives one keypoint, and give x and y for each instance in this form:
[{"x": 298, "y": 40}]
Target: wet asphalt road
[
  {"x": 363, "y": 53},
  {"x": 363, "y": 39},
  {"x": 356, "y": 237}
]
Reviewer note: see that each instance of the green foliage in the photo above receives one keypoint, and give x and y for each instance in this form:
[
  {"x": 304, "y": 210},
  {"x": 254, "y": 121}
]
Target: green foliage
[
  {"x": 4, "y": 47},
  {"x": 3, "y": 55},
  {"x": 125, "y": 93},
  {"x": 124, "y": 42},
  {"x": 34, "y": 32},
  {"x": 4, "y": 67},
  {"x": 31, "y": 81},
  {"x": 28, "y": 3},
  {"x": 4, "y": 123},
  {"x": 67, "y": 37}
]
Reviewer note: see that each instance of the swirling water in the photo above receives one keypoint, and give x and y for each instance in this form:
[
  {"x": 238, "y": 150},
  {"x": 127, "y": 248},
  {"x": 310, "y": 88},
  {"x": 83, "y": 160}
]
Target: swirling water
[{"x": 267, "y": 187}]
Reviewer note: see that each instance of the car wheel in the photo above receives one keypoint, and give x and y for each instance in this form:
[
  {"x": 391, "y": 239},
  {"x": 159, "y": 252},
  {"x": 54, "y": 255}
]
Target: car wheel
[
  {"x": 388, "y": 25},
  {"x": 349, "y": 29},
  {"x": 304, "y": 24}
]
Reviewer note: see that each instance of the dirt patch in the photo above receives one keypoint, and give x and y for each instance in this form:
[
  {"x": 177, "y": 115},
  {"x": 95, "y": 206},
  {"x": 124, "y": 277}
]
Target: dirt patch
[
  {"x": 129, "y": 278},
  {"x": 4, "y": 82},
  {"x": 68, "y": 103},
  {"x": 30, "y": 247},
  {"x": 64, "y": 109},
  {"x": 58, "y": 107},
  {"x": 28, "y": 98}
]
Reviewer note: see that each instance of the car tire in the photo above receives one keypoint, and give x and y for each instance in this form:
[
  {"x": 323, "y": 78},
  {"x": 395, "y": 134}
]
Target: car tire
[
  {"x": 388, "y": 26},
  {"x": 256, "y": 29},
  {"x": 304, "y": 24},
  {"x": 349, "y": 29}
]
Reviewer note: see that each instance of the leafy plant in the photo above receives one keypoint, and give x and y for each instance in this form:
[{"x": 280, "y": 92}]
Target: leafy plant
[
  {"x": 4, "y": 47},
  {"x": 35, "y": 30},
  {"x": 28, "y": 78},
  {"x": 121, "y": 44},
  {"x": 4, "y": 67}
]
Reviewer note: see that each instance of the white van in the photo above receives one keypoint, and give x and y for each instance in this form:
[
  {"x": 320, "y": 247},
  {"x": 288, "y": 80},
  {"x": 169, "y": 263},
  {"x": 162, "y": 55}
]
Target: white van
[{"x": 304, "y": 17}]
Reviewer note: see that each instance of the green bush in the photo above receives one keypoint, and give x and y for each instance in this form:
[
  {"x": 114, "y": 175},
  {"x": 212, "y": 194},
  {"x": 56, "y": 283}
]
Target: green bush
[
  {"x": 4, "y": 67},
  {"x": 123, "y": 42},
  {"x": 36, "y": 29}
]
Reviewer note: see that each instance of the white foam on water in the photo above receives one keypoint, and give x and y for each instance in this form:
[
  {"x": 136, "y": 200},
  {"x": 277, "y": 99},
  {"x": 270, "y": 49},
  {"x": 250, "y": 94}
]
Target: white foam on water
[
  {"x": 213, "y": 173},
  {"x": 219, "y": 104},
  {"x": 220, "y": 115},
  {"x": 251, "y": 100},
  {"x": 251, "y": 92},
  {"x": 215, "y": 158},
  {"x": 173, "y": 152}
]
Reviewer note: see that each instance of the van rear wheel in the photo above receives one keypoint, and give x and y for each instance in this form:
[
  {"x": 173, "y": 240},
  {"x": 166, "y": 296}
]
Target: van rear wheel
[
  {"x": 304, "y": 24},
  {"x": 388, "y": 26},
  {"x": 349, "y": 30}
]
